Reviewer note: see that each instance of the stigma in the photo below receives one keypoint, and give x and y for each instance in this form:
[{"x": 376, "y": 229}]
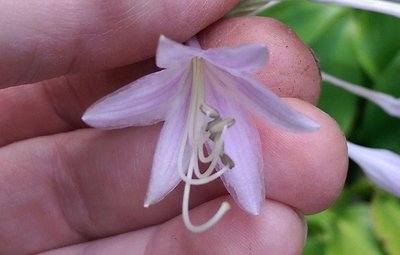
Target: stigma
[{"x": 202, "y": 143}]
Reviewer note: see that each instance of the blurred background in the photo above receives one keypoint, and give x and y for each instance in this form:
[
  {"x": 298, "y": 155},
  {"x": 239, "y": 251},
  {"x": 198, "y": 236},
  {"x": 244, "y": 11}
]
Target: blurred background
[{"x": 363, "y": 48}]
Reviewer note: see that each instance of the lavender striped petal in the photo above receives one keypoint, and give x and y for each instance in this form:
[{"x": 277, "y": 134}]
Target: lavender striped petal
[
  {"x": 259, "y": 100},
  {"x": 245, "y": 58},
  {"x": 164, "y": 174},
  {"x": 142, "y": 102},
  {"x": 245, "y": 182}
]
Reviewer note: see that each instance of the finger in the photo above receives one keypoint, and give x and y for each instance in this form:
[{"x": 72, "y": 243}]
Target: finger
[
  {"x": 56, "y": 105},
  {"x": 91, "y": 183},
  {"x": 291, "y": 71},
  {"x": 305, "y": 170},
  {"x": 277, "y": 230},
  {"x": 42, "y": 39}
]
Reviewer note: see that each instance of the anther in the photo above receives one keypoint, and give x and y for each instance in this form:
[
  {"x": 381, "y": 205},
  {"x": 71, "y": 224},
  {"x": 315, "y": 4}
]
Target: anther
[
  {"x": 227, "y": 161},
  {"x": 209, "y": 111},
  {"x": 216, "y": 126},
  {"x": 214, "y": 136}
]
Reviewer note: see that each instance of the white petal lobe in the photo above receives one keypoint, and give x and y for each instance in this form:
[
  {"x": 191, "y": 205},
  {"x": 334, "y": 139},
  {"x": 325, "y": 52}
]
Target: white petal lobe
[
  {"x": 380, "y": 165},
  {"x": 388, "y": 103}
]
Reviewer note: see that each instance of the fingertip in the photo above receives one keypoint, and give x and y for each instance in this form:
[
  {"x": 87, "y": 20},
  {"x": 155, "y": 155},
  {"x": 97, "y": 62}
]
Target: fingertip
[
  {"x": 43, "y": 40},
  {"x": 278, "y": 229},
  {"x": 305, "y": 170}
]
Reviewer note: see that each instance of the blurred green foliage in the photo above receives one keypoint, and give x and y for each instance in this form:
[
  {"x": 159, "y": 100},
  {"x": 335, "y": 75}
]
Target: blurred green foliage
[{"x": 363, "y": 48}]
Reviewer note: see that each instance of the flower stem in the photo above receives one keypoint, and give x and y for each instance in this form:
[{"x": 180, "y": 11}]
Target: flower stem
[{"x": 185, "y": 209}]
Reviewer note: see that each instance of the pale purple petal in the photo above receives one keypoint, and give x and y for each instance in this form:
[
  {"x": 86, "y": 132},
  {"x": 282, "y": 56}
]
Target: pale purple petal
[
  {"x": 245, "y": 182},
  {"x": 259, "y": 100},
  {"x": 246, "y": 58},
  {"x": 173, "y": 54},
  {"x": 142, "y": 102},
  {"x": 380, "y": 165},
  {"x": 164, "y": 174},
  {"x": 382, "y": 6}
]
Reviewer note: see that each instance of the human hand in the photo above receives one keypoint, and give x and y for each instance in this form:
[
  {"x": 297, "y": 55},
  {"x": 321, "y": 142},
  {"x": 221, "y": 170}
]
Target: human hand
[{"x": 63, "y": 185}]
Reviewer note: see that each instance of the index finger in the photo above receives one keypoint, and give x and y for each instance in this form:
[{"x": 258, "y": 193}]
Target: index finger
[
  {"x": 290, "y": 72},
  {"x": 43, "y": 39}
]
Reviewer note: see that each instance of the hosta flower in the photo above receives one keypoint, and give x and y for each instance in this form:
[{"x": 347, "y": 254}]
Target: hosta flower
[
  {"x": 206, "y": 98},
  {"x": 380, "y": 165}
]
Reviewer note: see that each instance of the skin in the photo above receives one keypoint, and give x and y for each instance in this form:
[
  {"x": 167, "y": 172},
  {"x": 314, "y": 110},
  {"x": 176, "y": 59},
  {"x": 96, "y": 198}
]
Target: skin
[{"x": 63, "y": 184}]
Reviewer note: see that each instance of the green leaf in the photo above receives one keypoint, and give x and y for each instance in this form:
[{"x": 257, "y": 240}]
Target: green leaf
[
  {"x": 309, "y": 20},
  {"x": 314, "y": 246},
  {"x": 386, "y": 221},
  {"x": 352, "y": 234},
  {"x": 337, "y": 56},
  {"x": 363, "y": 48},
  {"x": 376, "y": 41},
  {"x": 378, "y": 129},
  {"x": 319, "y": 226}
]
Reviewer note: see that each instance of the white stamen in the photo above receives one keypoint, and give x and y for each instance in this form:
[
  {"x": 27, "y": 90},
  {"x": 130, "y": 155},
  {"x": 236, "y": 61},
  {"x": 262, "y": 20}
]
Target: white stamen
[
  {"x": 213, "y": 158},
  {"x": 216, "y": 151},
  {"x": 388, "y": 103},
  {"x": 206, "y": 179},
  {"x": 195, "y": 137},
  {"x": 185, "y": 210}
]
